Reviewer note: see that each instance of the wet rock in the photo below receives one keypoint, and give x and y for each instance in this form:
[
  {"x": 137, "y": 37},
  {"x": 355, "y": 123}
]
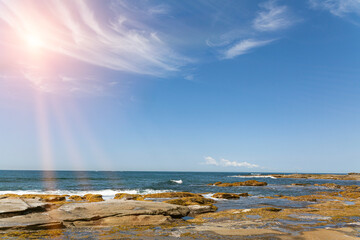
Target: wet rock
[
  {"x": 93, "y": 197},
  {"x": 309, "y": 198},
  {"x": 171, "y": 195},
  {"x": 226, "y": 195},
  {"x": 196, "y": 205},
  {"x": 239, "y": 184},
  {"x": 272, "y": 209},
  {"x": 55, "y": 199},
  {"x": 43, "y": 197},
  {"x": 138, "y": 220},
  {"x": 244, "y": 194},
  {"x": 76, "y": 198},
  {"x": 199, "y": 209},
  {"x": 127, "y": 196},
  {"x": 320, "y": 176},
  {"x": 186, "y": 201},
  {"x": 212, "y": 184},
  {"x": 300, "y": 184},
  {"x": 328, "y": 185},
  {"x": 351, "y": 194}
]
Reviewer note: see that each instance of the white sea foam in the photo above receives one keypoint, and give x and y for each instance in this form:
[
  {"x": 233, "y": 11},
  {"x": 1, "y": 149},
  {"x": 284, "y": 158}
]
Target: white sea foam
[
  {"x": 210, "y": 195},
  {"x": 254, "y": 176},
  {"x": 177, "y": 181},
  {"x": 106, "y": 193}
]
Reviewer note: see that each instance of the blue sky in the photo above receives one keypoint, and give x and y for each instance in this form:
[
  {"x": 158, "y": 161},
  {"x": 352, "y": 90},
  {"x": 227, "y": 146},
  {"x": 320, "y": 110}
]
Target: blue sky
[{"x": 180, "y": 85}]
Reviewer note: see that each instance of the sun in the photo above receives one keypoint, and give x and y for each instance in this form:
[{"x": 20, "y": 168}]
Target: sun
[{"x": 34, "y": 41}]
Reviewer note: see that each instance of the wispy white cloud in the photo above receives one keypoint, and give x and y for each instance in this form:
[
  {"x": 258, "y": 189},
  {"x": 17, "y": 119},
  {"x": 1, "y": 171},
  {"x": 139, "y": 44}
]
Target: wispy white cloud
[
  {"x": 79, "y": 29},
  {"x": 111, "y": 35},
  {"x": 227, "y": 163},
  {"x": 244, "y": 47},
  {"x": 272, "y": 17},
  {"x": 339, "y": 8}
]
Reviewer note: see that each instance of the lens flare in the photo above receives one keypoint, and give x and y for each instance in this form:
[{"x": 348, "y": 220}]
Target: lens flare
[{"x": 34, "y": 41}]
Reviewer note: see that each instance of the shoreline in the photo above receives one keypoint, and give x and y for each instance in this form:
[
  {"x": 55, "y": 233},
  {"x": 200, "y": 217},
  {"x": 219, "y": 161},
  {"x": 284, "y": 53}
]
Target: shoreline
[{"x": 184, "y": 215}]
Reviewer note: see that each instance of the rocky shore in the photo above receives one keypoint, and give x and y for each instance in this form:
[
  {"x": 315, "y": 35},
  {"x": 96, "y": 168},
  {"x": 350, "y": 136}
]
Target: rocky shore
[
  {"x": 327, "y": 215},
  {"x": 349, "y": 176}
]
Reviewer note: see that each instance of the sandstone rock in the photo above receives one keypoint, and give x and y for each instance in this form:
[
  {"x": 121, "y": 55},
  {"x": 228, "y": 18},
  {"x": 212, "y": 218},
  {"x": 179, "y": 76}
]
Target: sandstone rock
[
  {"x": 88, "y": 214},
  {"x": 55, "y": 199},
  {"x": 16, "y": 206},
  {"x": 32, "y": 221},
  {"x": 186, "y": 201},
  {"x": 272, "y": 209},
  {"x": 238, "y": 184},
  {"x": 329, "y": 185},
  {"x": 109, "y": 208},
  {"x": 43, "y": 197},
  {"x": 226, "y": 195},
  {"x": 76, "y": 198},
  {"x": 93, "y": 197},
  {"x": 199, "y": 209},
  {"x": 127, "y": 196},
  {"x": 171, "y": 195},
  {"x": 138, "y": 220},
  {"x": 196, "y": 205}
]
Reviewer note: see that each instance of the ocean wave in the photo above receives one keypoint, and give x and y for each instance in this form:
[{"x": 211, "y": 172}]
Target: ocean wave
[
  {"x": 106, "y": 193},
  {"x": 210, "y": 195},
  {"x": 177, "y": 181},
  {"x": 254, "y": 176}
]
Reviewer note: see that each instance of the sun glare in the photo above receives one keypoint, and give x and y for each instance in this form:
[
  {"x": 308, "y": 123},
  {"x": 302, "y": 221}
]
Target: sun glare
[{"x": 34, "y": 41}]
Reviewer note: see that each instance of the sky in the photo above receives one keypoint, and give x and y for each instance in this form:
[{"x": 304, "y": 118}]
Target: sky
[{"x": 130, "y": 85}]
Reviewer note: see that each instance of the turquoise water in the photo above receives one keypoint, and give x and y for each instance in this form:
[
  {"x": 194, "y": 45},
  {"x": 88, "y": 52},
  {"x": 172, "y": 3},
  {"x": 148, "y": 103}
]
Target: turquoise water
[{"x": 110, "y": 183}]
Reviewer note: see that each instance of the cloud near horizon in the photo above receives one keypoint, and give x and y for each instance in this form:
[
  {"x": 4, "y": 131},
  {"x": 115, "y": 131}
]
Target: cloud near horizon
[{"x": 227, "y": 163}]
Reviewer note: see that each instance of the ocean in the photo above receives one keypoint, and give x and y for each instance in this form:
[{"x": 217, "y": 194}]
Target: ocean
[{"x": 108, "y": 183}]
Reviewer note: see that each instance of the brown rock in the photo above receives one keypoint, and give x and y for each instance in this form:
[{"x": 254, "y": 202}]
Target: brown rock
[
  {"x": 199, "y": 209},
  {"x": 186, "y": 201},
  {"x": 93, "y": 197},
  {"x": 139, "y": 220},
  {"x": 197, "y": 204},
  {"x": 238, "y": 184},
  {"x": 76, "y": 198},
  {"x": 43, "y": 197},
  {"x": 329, "y": 185},
  {"x": 244, "y": 194},
  {"x": 226, "y": 195},
  {"x": 16, "y": 206},
  {"x": 171, "y": 195},
  {"x": 272, "y": 209},
  {"x": 217, "y": 183},
  {"x": 88, "y": 214},
  {"x": 127, "y": 196}
]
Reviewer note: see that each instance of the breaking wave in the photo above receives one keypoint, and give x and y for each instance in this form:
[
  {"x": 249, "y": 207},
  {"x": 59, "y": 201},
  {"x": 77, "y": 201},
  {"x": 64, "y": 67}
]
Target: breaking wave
[
  {"x": 177, "y": 181},
  {"x": 254, "y": 176},
  {"x": 106, "y": 193}
]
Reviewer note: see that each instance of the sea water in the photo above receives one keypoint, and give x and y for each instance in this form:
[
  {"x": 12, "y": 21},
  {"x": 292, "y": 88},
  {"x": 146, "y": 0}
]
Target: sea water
[{"x": 108, "y": 183}]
